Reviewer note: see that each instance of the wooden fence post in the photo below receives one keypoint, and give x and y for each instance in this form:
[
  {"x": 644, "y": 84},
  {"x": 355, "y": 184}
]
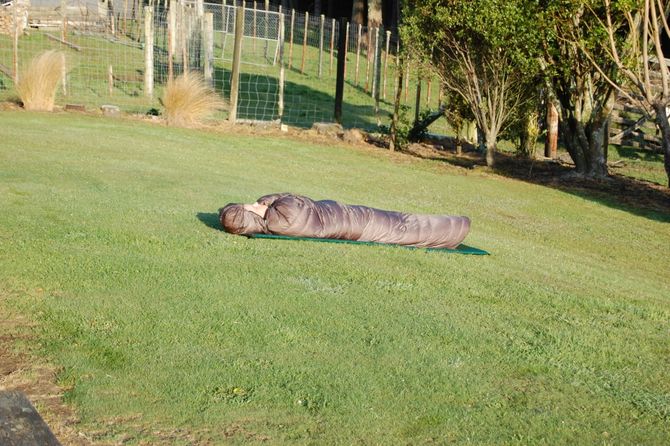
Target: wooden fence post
[
  {"x": 172, "y": 34},
  {"x": 417, "y": 104},
  {"x": 237, "y": 56},
  {"x": 339, "y": 83},
  {"x": 15, "y": 45},
  {"x": 321, "y": 31},
  {"x": 253, "y": 26},
  {"x": 304, "y": 43},
  {"x": 224, "y": 21},
  {"x": 208, "y": 43},
  {"x": 282, "y": 74},
  {"x": 110, "y": 80},
  {"x": 290, "y": 48},
  {"x": 386, "y": 62},
  {"x": 332, "y": 45},
  {"x": 358, "y": 51},
  {"x": 375, "y": 66},
  {"x": 148, "y": 51},
  {"x": 368, "y": 56},
  {"x": 346, "y": 48}
]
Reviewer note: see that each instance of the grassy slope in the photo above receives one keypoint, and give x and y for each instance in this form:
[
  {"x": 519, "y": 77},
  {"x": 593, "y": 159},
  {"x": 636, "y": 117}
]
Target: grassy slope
[{"x": 561, "y": 336}]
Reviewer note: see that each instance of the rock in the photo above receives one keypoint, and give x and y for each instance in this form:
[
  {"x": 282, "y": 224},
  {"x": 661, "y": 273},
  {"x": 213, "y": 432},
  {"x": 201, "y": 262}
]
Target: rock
[
  {"x": 354, "y": 136},
  {"x": 110, "y": 110},
  {"x": 328, "y": 129}
]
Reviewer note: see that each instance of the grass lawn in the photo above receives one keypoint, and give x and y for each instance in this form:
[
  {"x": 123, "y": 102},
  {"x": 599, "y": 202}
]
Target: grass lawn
[{"x": 162, "y": 322}]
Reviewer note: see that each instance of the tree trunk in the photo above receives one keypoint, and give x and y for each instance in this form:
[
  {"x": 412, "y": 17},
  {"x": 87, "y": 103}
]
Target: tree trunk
[
  {"x": 587, "y": 145},
  {"x": 358, "y": 12},
  {"x": 490, "y": 140},
  {"x": 664, "y": 128}
]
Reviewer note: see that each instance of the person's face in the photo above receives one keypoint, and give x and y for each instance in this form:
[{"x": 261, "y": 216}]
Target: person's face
[{"x": 256, "y": 208}]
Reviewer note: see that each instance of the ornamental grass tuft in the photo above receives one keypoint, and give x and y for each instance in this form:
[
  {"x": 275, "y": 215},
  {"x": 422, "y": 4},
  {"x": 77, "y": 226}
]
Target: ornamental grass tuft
[
  {"x": 188, "y": 100},
  {"x": 37, "y": 84}
]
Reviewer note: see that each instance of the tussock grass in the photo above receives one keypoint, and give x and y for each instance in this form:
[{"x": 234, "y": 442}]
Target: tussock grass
[
  {"x": 188, "y": 100},
  {"x": 38, "y": 82}
]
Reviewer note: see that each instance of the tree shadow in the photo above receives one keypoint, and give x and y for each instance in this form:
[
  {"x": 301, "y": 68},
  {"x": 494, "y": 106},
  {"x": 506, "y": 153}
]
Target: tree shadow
[
  {"x": 638, "y": 197},
  {"x": 634, "y": 153},
  {"x": 210, "y": 219}
]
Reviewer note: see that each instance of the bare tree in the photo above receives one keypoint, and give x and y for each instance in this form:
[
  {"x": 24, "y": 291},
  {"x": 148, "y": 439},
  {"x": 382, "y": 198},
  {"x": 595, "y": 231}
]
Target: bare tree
[
  {"x": 639, "y": 59},
  {"x": 487, "y": 82}
]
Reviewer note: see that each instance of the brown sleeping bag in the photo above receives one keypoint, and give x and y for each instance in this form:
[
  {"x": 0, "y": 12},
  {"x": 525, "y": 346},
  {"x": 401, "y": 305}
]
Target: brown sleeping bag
[{"x": 299, "y": 216}]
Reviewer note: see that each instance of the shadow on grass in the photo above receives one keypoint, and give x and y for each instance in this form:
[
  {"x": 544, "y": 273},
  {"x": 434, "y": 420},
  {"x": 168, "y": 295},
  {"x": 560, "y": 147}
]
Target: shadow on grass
[
  {"x": 303, "y": 105},
  {"x": 210, "y": 219},
  {"x": 634, "y": 153},
  {"x": 643, "y": 198}
]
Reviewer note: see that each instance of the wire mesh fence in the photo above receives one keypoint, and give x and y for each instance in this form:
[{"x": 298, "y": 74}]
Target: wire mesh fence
[{"x": 119, "y": 52}]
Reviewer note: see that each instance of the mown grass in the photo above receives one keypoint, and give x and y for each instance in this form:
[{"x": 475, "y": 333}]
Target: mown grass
[{"x": 164, "y": 323}]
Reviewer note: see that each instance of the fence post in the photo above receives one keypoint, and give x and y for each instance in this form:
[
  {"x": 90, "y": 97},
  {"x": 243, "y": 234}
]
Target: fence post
[
  {"x": 321, "y": 29},
  {"x": 332, "y": 45},
  {"x": 110, "y": 80},
  {"x": 224, "y": 21},
  {"x": 406, "y": 81},
  {"x": 282, "y": 74},
  {"x": 267, "y": 30},
  {"x": 208, "y": 42},
  {"x": 290, "y": 47},
  {"x": 15, "y": 45},
  {"x": 149, "y": 51},
  {"x": 377, "y": 74},
  {"x": 63, "y": 18},
  {"x": 183, "y": 36},
  {"x": 339, "y": 83},
  {"x": 358, "y": 51},
  {"x": 386, "y": 62},
  {"x": 368, "y": 57},
  {"x": 417, "y": 107},
  {"x": 172, "y": 23},
  {"x": 429, "y": 83},
  {"x": 237, "y": 55},
  {"x": 64, "y": 74},
  {"x": 253, "y": 26},
  {"x": 346, "y": 48},
  {"x": 375, "y": 66},
  {"x": 396, "y": 107},
  {"x": 551, "y": 143},
  {"x": 304, "y": 43}
]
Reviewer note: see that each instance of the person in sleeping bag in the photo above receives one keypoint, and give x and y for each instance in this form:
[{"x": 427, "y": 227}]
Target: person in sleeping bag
[{"x": 299, "y": 216}]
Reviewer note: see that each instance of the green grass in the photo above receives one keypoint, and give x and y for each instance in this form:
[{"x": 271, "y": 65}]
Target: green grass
[{"x": 162, "y": 322}]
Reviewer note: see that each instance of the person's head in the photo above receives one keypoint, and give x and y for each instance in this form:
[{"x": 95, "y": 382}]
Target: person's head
[{"x": 237, "y": 220}]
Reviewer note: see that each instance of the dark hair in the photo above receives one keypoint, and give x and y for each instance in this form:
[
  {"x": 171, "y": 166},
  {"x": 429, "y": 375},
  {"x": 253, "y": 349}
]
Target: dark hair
[{"x": 237, "y": 220}]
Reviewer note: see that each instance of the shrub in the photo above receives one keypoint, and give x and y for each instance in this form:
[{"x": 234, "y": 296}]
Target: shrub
[
  {"x": 38, "y": 82},
  {"x": 188, "y": 100}
]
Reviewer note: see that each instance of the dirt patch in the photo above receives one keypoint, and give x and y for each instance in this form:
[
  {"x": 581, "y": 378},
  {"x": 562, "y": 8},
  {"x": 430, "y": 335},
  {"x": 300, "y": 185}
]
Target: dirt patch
[{"x": 21, "y": 370}]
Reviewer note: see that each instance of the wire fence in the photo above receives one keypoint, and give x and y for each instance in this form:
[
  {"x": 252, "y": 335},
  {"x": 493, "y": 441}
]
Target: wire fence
[{"x": 119, "y": 52}]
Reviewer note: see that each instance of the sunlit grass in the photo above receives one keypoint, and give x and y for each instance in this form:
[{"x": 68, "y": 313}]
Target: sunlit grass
[{"x": 162, "y": 322}]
